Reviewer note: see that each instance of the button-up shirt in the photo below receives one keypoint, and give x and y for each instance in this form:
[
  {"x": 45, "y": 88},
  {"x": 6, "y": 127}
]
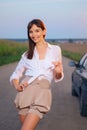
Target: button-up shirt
[{"x": 38, "y": 68}]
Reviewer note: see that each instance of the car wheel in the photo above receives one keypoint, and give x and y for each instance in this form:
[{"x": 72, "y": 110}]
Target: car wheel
[
  {"x": 73, "y": 91},
  {"x": 83, "y": 107}
]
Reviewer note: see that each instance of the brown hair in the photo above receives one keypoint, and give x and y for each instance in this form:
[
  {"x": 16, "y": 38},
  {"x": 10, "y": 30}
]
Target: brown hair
[{"x": 32, "y": 44}]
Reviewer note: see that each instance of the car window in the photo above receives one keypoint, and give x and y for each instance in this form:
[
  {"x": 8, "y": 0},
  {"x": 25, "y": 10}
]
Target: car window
[
  {"x": 83, "y": 60},
  {"x": 85, "y": 63}
]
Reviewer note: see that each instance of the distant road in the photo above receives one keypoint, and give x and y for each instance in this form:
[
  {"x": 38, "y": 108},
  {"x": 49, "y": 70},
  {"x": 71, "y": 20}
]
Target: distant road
[{"x": 64, "y": 114}]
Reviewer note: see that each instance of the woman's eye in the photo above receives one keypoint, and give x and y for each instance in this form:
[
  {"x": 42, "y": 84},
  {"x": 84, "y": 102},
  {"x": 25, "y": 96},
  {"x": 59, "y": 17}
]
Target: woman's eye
[
  {"x": 30, "y": 32},
  {"x": 37, "y": 30}
]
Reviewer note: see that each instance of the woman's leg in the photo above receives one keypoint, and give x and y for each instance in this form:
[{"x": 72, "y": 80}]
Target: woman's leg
[
  {"x": 30, "y": 121},
  {"x": 22, "y": 118}
]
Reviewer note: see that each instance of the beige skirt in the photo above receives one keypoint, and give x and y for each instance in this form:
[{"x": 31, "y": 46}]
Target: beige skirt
[{"x": 37, "y": 96}]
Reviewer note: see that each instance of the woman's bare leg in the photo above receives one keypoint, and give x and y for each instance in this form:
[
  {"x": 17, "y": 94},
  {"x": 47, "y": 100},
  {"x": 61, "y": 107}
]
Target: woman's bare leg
[
  {"x": 30, "y": 121},
  {"x": 22, "y": 118}
]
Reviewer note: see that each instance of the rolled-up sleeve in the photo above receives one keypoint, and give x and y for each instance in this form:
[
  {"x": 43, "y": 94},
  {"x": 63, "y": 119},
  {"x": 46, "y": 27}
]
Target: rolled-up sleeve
[
  {"x": 58, "y": 54},
  {"x": 18, "y": 72}
]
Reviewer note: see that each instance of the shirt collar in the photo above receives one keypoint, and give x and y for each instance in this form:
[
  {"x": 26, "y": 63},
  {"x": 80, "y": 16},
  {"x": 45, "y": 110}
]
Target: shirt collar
[
  {"x": 35, "y": 51},
  {"x": 49, "y": 45}
]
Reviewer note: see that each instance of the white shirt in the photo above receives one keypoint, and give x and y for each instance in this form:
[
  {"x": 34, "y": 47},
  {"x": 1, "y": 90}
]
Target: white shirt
[{"x": 38, "y": 68}]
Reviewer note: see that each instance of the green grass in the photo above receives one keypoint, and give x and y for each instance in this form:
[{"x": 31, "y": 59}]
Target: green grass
[
  {"x": 11, "y": 51},
  {"x": 72, "y": 55}
]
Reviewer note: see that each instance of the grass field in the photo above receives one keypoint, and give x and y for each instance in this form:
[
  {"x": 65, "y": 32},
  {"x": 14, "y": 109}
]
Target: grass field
[
  {"x": 74, "y": 50},
  {"x": 10, "y": 51},
  {"x": 79, "y": 48}
]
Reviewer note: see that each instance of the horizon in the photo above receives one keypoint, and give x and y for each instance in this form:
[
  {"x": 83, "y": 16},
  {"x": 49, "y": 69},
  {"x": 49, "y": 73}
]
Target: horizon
[{"x": 50, "y": 38}]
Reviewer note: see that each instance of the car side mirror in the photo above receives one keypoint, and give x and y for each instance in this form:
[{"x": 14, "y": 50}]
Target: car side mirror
[{"x": 73, "y": 64}]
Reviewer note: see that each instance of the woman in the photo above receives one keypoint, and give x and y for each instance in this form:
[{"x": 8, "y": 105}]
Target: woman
[{"x": 40, "y": 65}]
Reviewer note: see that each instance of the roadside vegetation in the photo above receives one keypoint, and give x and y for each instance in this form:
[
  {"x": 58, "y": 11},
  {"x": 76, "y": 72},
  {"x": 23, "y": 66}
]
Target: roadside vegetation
[
  {"x": 11, "y": 51},
  {"x": 74, "y": 51}
]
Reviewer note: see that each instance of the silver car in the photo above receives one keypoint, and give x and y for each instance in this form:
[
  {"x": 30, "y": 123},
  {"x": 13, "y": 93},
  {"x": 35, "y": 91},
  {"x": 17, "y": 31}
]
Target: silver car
[{"x": 79, "y": 83}]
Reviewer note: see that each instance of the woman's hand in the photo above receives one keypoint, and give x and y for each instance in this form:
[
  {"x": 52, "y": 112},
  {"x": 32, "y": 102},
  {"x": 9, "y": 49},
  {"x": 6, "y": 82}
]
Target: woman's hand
[
  {"x": 19, "y": 87},
  {"x": 23, "y": 85},
  {"x": 57, "y": 69}
]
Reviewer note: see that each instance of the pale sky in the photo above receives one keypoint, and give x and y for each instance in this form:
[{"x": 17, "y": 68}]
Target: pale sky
[{"x": 62, "y": 18}]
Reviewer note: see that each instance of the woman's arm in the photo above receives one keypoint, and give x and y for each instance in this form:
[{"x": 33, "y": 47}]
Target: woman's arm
[
  {"x": 58, "y": 70},
  {"x": 17, "y": 74},
  {"x": 58, "y": 66},
  {"x": 15, "y": 83},
  {"x": 19, "y": 86}
]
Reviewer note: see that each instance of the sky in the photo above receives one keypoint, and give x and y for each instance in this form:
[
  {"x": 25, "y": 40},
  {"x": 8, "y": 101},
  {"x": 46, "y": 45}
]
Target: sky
[{"x": 62, "y": 18}]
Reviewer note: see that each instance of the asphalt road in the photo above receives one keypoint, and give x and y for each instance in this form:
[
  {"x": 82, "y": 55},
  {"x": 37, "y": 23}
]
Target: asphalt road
[{"x": 64, "y": 114}]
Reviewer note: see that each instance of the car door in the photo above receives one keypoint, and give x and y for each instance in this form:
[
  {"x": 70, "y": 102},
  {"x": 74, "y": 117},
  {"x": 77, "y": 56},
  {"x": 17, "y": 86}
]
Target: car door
[
  {"x": 83, "y": 96},
  {"x": 80, "y": 73},
  {"x": 77, "y": 81}
]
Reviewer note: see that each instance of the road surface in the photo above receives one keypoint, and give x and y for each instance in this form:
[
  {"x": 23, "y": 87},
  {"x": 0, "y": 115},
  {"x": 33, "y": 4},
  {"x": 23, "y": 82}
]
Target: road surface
[{"x": 64, "y": 114}]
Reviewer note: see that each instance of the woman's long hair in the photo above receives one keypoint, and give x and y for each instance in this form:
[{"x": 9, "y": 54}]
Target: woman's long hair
[{"x": 32, "y": 44}]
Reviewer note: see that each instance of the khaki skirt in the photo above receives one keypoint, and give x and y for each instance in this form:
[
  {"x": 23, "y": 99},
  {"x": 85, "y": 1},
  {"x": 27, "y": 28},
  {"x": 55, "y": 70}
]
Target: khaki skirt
[{"x": 35, "y": 97}]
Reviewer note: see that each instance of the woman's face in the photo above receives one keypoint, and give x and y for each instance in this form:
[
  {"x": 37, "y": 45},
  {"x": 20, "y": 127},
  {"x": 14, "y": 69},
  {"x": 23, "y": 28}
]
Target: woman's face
[{"x": 36, "y": 34}]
